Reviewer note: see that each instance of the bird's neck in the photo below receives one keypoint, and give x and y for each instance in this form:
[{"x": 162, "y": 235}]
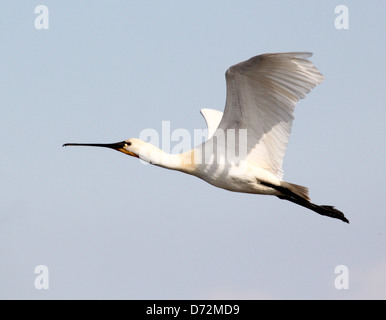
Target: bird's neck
[{"x": 181, "y": 162}]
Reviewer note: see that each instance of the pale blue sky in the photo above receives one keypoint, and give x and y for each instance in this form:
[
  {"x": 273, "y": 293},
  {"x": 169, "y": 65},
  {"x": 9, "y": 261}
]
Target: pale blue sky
[{"x": 109, "y": 227}]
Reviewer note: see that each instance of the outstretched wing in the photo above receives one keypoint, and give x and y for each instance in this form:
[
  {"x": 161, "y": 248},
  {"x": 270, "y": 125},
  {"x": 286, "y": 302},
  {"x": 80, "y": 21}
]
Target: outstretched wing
[
  {"x": 261, "y": 96},
  {"x": 212, "y": 119}
]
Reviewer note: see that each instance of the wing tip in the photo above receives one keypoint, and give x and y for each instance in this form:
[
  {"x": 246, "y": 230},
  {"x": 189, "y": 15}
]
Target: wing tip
[{"x": 291, "y": 54}]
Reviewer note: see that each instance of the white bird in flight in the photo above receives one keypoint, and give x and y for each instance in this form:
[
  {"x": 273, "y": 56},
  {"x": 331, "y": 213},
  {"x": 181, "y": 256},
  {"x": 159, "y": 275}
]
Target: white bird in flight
[{"x": 261, "y": 96}]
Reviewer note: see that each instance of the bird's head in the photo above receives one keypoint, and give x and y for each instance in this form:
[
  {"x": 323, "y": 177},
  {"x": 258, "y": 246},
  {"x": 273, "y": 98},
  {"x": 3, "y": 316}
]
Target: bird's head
[{"x": 130, "y": 147}]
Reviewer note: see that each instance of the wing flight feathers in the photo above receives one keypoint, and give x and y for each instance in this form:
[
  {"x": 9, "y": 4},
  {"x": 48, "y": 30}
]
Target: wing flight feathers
[{"x": 261, "y": 96}]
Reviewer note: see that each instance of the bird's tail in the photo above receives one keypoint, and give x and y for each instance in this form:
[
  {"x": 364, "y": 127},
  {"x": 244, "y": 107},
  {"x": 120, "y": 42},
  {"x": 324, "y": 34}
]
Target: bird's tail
[{"x": 297, "y": 190}]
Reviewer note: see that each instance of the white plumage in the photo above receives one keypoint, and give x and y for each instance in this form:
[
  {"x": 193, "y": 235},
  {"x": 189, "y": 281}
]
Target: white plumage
[
  {"x": 261, "y": 96},
  {"x": 246, "y": 144}
]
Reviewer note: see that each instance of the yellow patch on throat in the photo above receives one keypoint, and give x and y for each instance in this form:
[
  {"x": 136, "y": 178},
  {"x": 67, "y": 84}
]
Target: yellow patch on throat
[
  {"x": 128, "y": 152},
  {"x": 188, "y": 161}
]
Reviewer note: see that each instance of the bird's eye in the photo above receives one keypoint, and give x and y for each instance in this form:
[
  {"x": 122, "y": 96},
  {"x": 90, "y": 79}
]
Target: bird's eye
[{"x": 128, "y": 143}]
